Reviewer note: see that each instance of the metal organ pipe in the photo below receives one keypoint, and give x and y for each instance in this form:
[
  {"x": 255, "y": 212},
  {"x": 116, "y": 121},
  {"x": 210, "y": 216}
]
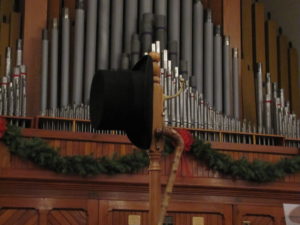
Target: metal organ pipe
[
  {"x": 174, "y": 26},
  {"x": 54, "y": 64},
  {"x": 44, "y": 72},
  {"x": 198, "y": 45},
  {"x": 90, "y": 47},
  {"x": 227, "y": 104},
  {"x": 103, "y": 34},
  {"x": 218, "y": 75},
  {"x": 78, "y": 54},
  {"x": 186, "y": 29},
  {"x": 130, "y": 23},
  {"x": 65, "y": 58},
  {"x": 116, "y": 33},
  {"x": 208, "y": 58},
  {"x": 236, "y": 89},
  {"x": 146, "y": 6}
]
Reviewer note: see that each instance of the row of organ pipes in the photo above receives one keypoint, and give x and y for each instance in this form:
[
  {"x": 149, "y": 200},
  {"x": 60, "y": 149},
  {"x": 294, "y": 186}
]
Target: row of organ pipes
[
  {"x": 193, "y": 51},
  {"x": 13, "y": 89}
]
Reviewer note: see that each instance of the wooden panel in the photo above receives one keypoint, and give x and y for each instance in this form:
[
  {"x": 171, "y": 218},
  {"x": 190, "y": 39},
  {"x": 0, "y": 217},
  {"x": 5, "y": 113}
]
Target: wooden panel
[
  {"x": 5, "y": 156},
  {"x": 4, "y": 42},
  {"x": 271, "y": 45},
  {"x": 72, "y": 217},
  {"x": 54, "y": 11},
  {"x": 294, "y": 78},
  {"x": 217, "y": 10},
  {"x": 257, "y": 215},
  {"x": 283, "y": 65},
  {"x": 17, "y": 216},
  {"x": 15, "y": 30},
  {"x": 232, "y": 21},
  {"x": 259, "y": 36},
  {"x": 258, "y": 219},
  {"x": 35, "y": 18},
  {"x": 247, "y": 75},
  {"x": 6, "y": 7}
]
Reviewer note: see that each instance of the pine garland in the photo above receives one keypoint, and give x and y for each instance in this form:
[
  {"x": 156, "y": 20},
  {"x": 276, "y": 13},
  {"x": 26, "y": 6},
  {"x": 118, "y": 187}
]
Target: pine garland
[{"x": 39, "y": 152}]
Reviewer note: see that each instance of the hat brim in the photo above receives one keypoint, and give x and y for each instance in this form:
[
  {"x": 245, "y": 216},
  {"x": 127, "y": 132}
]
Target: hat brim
[{"x": 140, "y": 132}]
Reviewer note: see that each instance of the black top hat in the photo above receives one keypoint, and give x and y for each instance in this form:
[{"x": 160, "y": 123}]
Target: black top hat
[{"x": 122, "y": 100}]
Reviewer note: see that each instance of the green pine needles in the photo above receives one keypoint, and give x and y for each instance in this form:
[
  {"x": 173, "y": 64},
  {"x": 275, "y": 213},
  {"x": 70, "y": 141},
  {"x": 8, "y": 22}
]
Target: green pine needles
[{"x": 39, "y": 152}]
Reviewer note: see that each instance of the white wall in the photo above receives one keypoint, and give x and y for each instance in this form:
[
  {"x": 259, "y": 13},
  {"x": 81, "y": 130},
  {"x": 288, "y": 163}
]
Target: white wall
[{"x": 287, "y": 15}]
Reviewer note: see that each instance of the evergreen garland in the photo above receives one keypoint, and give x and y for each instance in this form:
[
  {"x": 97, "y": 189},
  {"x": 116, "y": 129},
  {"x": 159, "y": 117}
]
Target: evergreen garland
[{"x": 39, "y": 152}]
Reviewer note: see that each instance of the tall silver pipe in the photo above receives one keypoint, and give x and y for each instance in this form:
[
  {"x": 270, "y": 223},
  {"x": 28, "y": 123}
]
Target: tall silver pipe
[
  {"x": 8, "y": 62},
  {"x": 44, "y": 73},
  {"x": 282, "y": 100},
  {"x": 227, "y": 77},
  {"x": 130, "y": 28},
  {"x": 236, "y": 86},
  {"x": 19, "y": 60},
  {"x": 268, "y": 84},
  {"x": 183, "y": 69},
  {"x": 78, "y": 53},
  {"x": 146, "y": 6},
  {"x": 268, "y": 115},
  {"x": 208, "y": 59},
  {"x": 174, "y": 25},
  {"x": 54, "y": 64},
  {"x": 135, "y": 49},
  {"x": 173, "y": 53},
  {"x": 146, "y": 32},
  {"x": 201, "y": 110},
  {"x": 65, "y": 58},
  {"x": 160, "y": 7},
  {"x": 218, "y": 67},
  {"x": 177, "y": 100},
  {"x": 186, "y": 29},
  {"x": 160, "y": 23},
  {"x": 198, "y": 45},
  {"x": 103, "y": 34},
  {"x": 23, "y": 90},
  {"x": 124, "y": 62},
  {"x": 116, "y": 33},
  {"x": 90, "y": 47},
  {"x": 10, "y": 99},
  {"x": 259, "y": 97},
  {"x": 4, "y": 87},
  {"x": 16, "y": 91}
]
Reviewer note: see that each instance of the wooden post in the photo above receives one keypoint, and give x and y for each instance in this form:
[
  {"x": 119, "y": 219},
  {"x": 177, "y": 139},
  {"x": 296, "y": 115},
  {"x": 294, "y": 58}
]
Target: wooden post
[{"x": 156, "y": 145}]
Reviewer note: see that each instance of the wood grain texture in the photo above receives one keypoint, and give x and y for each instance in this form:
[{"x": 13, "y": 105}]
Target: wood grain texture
[
  {"x": 294, "y": 78},
  {"x": 14, "y": 33},
  {"x": 271, "y": 49},
  {"x": 35, "y": 19},
  {"x": 259, "y": 36},
  {"x": 247, "y": 71},
  {"x": 283, "y": 65}
]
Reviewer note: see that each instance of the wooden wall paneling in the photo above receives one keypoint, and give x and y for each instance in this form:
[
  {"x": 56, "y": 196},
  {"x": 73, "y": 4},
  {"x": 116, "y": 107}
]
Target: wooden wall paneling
[
  {"x": 232, "y": 28},
  {"x": 4, "y": 43},
  {"x": 283, "y": 65},
  {"x": 258, "y": 214},
  {"x": 5, "y": 156},
  {"x": 217, "y": 10},
  {"x": 247, "y": 74},
  {"x": 259, "y": 36},
  {"x": 70, "y": 4},
  {"x": 54, "y": 11},
  {"x": 271, "y": 49},
  {"x": 104, "y": 215},
  {"x": 35, "y": 19},
  {"x": 18, "y": 216},
  {"x": 294, "y": 78},
  {"x": 6, "y": 7},
  {"x": 14, "y": 33}
]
